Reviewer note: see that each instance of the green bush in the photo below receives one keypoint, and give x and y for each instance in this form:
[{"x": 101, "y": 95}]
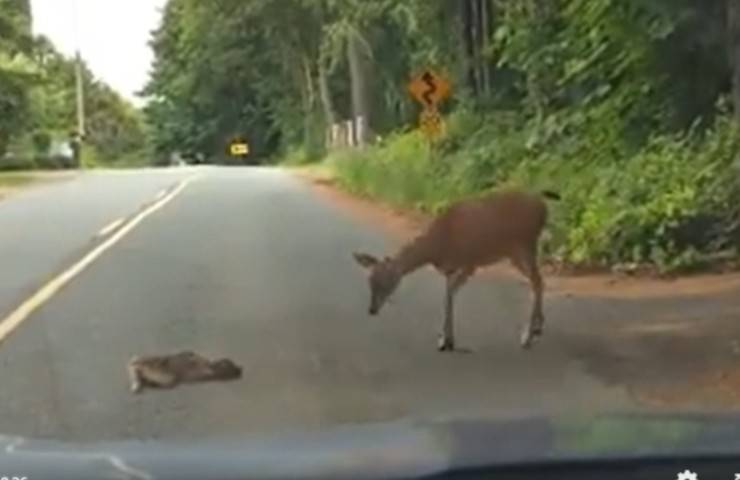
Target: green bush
[
  {"x": 134, "y": 159},
  {"x": 52, "y": 162},
  {"x": 299, "y": 156},
  {"x": 90, "y": 157},
  {"x": 403, "y": 172},
  {"x": 11, "y": 162}
]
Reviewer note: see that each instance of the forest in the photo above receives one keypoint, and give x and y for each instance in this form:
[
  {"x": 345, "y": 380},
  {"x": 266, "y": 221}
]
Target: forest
[
  {"x": 628, "y": 108},
  {"x": 38, "y": 104}
]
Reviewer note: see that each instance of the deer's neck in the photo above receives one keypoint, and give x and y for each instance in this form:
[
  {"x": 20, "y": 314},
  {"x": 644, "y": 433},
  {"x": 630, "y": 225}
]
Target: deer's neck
[{"x": 413, "y": 255}]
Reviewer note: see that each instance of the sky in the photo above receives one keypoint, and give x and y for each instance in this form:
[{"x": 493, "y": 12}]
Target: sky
[{"x": 112, "y": 36}]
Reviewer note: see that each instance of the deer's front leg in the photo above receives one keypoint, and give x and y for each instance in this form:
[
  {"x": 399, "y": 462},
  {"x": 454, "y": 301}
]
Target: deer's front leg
[
  {"x": 454, "y": 281},
  {"x": 446, "y": 340},
  {"x": 533, "y": 331}
]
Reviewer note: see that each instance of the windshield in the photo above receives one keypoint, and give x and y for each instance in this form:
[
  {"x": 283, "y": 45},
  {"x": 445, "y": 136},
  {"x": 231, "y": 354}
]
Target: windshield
[{"x": 222, "y": 219}]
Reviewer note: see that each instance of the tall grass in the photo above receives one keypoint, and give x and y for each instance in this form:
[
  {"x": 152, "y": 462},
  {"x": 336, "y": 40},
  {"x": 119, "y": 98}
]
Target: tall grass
[{"x": 673, "y": 203}]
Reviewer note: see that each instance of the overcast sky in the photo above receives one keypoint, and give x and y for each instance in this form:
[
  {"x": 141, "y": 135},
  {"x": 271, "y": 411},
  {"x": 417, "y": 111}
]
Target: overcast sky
[{"x": 112, "y": 35}]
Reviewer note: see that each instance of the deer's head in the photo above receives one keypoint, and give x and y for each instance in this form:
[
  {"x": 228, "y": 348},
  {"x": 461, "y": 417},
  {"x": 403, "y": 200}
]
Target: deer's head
[{"x": 384, "y": 277}]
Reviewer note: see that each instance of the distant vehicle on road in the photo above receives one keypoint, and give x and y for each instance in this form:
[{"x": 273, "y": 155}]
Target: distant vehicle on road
[{"x": 62, "y": 150}]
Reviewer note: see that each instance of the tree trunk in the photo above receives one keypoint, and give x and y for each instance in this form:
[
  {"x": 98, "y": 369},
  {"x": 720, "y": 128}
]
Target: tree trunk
[
  {"x": 486, "y": 32},
  {"x": 325, "y": 96},
  {"x": 543, "y": 12},
  {"x": 327, "y": 103},
  {"x": 477, "y": 35},
  {"x": 309, "y": 104},
  {"x": 733, "y": 38},
  {"x": 359, "y": 79},
  {"x": 468, "y": 32}
]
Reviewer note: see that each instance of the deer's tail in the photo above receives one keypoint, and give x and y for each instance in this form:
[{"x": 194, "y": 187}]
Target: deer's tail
[{"x": 549, "y": 194}]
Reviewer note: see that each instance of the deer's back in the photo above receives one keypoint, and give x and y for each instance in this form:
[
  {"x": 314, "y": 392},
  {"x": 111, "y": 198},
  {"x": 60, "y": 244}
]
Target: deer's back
[{"x": 481, "y": 231}]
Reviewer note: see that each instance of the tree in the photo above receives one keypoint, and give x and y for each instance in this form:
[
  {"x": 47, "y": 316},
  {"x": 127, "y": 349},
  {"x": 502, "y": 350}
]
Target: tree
[
  {"x": 16, "y": 71},
  {"x": 205, "y": 81},
  {"x": 733, "y": 30},
  {"x": 37, "y": 96},
  {"x": 280, "y": 71}
]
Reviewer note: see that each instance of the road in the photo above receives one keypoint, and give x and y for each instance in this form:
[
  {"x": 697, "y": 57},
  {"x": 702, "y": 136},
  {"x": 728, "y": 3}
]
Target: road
[{"x": 251, "y": 263}]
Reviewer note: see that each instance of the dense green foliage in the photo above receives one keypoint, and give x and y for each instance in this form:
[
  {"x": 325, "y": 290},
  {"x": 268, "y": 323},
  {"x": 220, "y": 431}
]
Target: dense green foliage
[
  {"x": 279, "y": 71},
  {"x": 37, "y": 102},
  {"x": 616, "y": 105},
  {"x": 626, "y": 107}
]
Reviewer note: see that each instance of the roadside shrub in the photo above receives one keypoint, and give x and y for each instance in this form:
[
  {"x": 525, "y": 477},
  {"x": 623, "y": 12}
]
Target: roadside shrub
[
  {"x": 90, "y": 157},
  {"x": 403, "y": 171},
  {"x": 12, "y": 162},
  {"x": 133, "y": 159},
  {"x": 674, "y": 203},
  {"x": 51, "y": 162},
  {"x": 299, "y": 156}
]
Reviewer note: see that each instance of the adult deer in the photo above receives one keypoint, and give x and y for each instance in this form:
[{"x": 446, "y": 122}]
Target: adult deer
[{"x": 468, "y": 235}]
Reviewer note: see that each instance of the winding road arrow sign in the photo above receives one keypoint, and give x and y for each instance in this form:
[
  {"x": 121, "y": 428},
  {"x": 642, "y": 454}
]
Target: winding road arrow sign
[{"x": 429, "y": 88}]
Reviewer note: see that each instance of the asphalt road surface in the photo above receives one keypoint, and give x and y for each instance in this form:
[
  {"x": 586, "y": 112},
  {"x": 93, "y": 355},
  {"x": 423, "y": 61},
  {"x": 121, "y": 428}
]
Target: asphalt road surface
[{"x": 251, "y": 263}]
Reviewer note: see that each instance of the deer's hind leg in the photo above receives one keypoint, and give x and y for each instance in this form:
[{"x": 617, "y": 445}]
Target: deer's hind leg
[{"x": 526, "y": 262}]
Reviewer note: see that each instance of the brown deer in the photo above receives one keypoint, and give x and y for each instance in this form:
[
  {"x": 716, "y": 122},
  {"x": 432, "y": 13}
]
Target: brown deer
[
  {"x": 168, "y": 371},
  {"x": 470, "y": 234}
]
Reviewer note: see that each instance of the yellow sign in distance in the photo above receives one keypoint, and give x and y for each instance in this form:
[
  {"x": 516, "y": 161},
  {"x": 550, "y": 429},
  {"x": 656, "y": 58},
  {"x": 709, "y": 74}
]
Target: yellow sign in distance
[{"x": 239, "y": 149}]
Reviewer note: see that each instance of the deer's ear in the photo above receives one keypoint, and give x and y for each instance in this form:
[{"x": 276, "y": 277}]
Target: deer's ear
[{"x": 366, "y": 260}]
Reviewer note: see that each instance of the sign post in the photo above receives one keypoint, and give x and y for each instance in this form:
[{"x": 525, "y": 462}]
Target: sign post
[{"x": 429, "y": 89}]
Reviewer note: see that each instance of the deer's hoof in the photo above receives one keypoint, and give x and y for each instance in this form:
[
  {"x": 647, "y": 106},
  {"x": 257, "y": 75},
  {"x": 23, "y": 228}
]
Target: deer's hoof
[
  {"x": 529, "y": 337},
  {"x": 445, "y": 344}
]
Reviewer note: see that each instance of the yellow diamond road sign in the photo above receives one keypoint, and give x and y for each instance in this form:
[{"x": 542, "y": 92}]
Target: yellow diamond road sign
[
  {"x": 239, "y": 148},
  {"x": 429, "y": 88}
]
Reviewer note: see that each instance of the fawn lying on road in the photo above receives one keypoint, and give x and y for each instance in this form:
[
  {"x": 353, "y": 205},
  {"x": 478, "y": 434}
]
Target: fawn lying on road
[
  {"x": 468, "y": 235},
  {"x": 168, "y": 371}
]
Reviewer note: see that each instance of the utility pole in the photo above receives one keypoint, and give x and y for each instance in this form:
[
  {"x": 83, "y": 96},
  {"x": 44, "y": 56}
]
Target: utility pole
[
  {"x": 79, "y": 89},
  {"x": 80, "y": 96}
]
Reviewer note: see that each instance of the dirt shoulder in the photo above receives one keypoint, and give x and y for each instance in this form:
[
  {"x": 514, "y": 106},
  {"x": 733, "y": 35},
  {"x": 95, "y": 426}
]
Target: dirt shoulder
[
  {"x": 405, "y": 224},
  {"x": 672, "y": 343}
]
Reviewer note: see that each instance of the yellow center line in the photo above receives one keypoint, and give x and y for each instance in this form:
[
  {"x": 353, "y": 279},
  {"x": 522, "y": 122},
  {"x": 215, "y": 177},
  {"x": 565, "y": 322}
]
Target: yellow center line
[{"x": 45, "y": 293}]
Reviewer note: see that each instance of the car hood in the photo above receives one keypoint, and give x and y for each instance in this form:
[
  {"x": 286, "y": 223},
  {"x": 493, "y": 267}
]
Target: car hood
[{"x": 408, "y": 449}]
